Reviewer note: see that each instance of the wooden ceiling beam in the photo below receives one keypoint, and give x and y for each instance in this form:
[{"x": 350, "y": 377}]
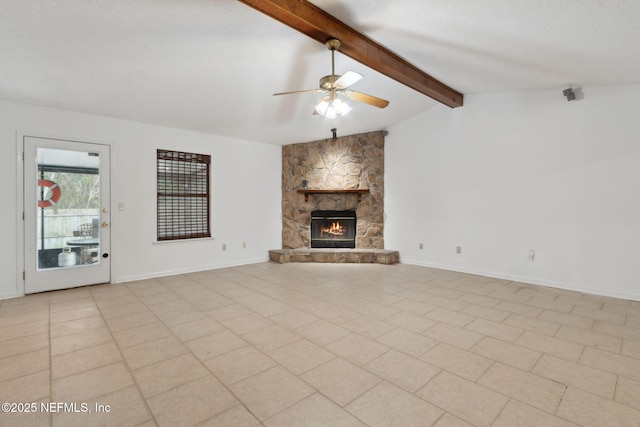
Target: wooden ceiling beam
[{"x": 320, "y": 26}]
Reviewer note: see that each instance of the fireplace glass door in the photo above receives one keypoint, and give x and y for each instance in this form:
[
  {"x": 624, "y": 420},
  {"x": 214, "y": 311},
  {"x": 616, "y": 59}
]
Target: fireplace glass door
[{"x": 333, "y": 229}]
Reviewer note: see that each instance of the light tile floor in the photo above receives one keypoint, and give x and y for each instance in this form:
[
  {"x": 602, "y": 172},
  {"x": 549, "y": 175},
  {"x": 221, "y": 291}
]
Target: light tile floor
[{"x": 320, "y": 345}]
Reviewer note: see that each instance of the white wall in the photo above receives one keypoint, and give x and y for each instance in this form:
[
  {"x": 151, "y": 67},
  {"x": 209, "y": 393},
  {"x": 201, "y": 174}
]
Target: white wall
[
  {"x": 509, "y": 172},
  {"x": 245, "y": 175}
]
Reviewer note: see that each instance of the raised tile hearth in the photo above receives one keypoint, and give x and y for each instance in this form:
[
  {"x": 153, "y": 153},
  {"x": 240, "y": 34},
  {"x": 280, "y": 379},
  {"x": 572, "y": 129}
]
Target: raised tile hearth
[{"x": 333, "y": 255}]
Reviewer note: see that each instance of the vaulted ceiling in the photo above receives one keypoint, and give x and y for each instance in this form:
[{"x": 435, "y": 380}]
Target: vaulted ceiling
[{"x": 212, "y": 65}]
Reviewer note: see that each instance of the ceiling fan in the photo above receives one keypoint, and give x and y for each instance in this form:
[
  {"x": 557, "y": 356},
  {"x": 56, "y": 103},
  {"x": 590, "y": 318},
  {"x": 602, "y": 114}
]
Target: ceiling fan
[{"x": 333, "y": 85}]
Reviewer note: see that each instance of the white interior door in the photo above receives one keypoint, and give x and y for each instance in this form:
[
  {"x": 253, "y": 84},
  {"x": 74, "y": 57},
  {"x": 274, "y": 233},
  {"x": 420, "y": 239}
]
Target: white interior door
[{"x": 66, "y": 214}]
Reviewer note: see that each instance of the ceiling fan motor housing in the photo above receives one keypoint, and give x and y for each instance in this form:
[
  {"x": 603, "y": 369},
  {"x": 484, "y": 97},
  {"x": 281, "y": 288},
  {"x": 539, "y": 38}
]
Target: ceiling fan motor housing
[{"x": 329, "y": 82}]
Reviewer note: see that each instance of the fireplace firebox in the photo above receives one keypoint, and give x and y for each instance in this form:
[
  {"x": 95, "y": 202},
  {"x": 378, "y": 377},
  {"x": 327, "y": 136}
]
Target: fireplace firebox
[{"x": 333, "y": 229}]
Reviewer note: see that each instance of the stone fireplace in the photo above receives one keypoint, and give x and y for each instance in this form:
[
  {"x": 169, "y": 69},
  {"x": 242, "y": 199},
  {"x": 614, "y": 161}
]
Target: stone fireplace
[
  {"x": 343, "y": 174},
  {"x": 338, "y": 216}
]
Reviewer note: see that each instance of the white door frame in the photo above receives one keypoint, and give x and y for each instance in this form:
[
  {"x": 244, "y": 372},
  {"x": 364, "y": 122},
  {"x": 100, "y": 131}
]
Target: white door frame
[{"x": 20, "y": 201}]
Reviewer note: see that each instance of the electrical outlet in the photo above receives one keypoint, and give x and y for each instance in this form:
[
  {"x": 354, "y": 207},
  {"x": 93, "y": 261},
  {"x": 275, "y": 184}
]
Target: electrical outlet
[
  {"x": 244, "y": 245},
  {"x": 421, "y": 246},
  {"x": 458, "y": 249},
  {"x": 224, "y": 246}
]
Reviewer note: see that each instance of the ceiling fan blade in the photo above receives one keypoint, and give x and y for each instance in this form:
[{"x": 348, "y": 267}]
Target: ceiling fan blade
[
  {"x": 299, "y": 91},
  {"x": 347, "y": 79},
  {"x": 367, "y": 99}
]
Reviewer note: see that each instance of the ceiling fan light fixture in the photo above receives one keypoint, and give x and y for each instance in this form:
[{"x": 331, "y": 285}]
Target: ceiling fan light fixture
[{"x": 332, "y": 109}]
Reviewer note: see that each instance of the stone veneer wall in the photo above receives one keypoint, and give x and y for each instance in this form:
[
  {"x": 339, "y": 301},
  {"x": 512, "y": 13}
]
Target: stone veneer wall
[{"x": 348, "y": 162}]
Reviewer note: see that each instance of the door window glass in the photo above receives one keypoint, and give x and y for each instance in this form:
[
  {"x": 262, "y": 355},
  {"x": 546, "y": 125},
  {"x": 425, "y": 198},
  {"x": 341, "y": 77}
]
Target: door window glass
[{"x": 68, "y": 208}]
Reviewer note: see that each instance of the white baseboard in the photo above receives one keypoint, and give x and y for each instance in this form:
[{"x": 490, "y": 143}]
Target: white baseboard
[
  {"x": 174, "y": 272},
  {"x": 528, "y": 280},
  {"x": 10, "y": 296}
]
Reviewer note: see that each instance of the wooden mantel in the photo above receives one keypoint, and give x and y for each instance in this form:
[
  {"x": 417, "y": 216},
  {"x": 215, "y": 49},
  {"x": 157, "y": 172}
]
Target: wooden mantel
[{"x": 358, "y": 191}]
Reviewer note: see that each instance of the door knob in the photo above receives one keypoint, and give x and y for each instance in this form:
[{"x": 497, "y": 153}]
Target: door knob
[{"x": 105, "y": 224}]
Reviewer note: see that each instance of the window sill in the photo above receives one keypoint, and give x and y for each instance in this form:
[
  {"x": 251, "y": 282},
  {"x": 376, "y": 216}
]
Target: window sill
[{"x": 169, "y": 242}]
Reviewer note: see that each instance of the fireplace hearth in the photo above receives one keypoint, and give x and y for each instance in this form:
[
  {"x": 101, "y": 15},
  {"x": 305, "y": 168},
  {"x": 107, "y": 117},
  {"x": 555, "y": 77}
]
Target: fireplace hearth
[{"x": 333, "y": 229}]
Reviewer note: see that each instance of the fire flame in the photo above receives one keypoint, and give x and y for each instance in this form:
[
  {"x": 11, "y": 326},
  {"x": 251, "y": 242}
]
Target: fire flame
[{"x": 335, "y": 229}]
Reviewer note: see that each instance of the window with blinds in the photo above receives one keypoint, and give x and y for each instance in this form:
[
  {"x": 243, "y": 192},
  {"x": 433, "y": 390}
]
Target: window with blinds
[{"x": 183, "y": 195}]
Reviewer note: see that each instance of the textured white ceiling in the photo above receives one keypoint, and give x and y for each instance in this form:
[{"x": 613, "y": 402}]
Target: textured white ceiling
[{"x": 212, "y": 65}]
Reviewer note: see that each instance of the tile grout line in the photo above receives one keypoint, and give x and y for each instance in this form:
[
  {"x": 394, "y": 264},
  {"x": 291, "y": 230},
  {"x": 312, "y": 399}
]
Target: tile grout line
[{"x": 130, "y": 372}]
